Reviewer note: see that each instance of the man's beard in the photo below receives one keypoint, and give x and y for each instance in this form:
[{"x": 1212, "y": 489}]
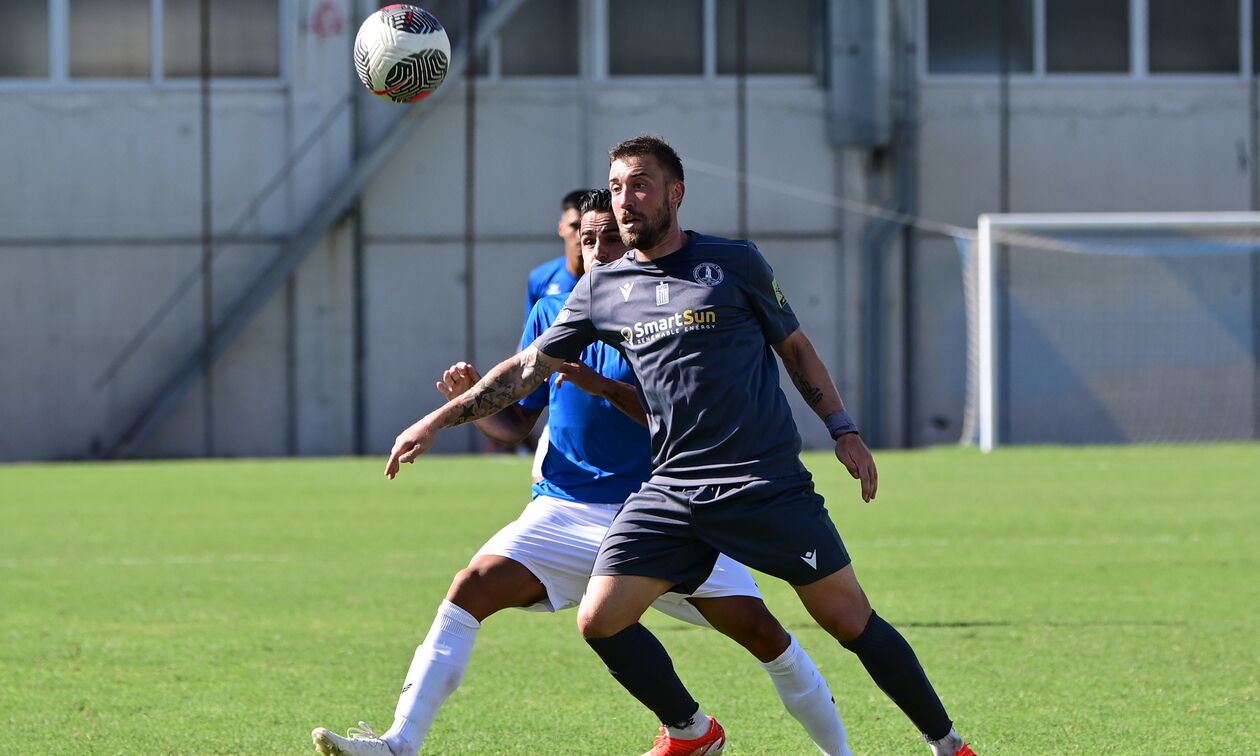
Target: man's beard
[{"x": 652, "y": 230}]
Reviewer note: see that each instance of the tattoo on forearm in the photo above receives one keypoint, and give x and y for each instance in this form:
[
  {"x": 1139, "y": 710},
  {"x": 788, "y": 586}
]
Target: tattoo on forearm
[
  {"x": 489, "y": 399},
  {"x": 497, "y": 390},
  {"x": 811, "y": 393}
]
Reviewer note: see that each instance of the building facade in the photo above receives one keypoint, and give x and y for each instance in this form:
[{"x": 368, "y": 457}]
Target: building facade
[{"x": 208, "y": 254}]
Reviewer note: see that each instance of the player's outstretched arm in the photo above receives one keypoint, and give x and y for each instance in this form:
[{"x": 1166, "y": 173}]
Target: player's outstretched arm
[
  {"x": 813, "y": 380},
  {"x": 509, "y": 425},
  {"x": 622, "y": 395},
  {"x": 504, "y": 384}
]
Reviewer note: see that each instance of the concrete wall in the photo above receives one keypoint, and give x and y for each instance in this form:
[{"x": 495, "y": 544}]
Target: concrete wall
[
  {"x": 101, "y": 225},
  {"x": 101, "y": 229},
  {"x": 529, "y": 154}
]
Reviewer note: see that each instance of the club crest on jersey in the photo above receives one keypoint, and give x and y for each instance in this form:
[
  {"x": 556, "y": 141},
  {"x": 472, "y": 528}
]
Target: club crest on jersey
[
  {"x": 709, "y": 274},
  {"x": 562, "y": 316},
  {"x": 662, "y": 293}
]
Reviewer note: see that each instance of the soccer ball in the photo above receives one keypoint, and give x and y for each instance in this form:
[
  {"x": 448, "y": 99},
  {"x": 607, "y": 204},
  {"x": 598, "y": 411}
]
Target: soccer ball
[{"x": 401, "y": 53}]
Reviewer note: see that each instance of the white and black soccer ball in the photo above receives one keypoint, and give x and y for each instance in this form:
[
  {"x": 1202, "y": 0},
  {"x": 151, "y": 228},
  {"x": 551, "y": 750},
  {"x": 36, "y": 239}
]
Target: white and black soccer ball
[{"x": 402, "y": 53}]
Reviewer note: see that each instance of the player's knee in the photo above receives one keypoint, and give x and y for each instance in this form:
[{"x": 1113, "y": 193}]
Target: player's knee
[
  {"x": 594, "y": 623},
  {"x": 467, "y": 588},
  {"x": 838, "y": 604},
  {"x": 467, "y": 581},
  {"x": 760, "y": 633},
  {"x": 767, "y": 633},
  {"x": 846, "y": 624},
  {"x": 588, "y": 622},
  {"x": 482, "y": 590}
]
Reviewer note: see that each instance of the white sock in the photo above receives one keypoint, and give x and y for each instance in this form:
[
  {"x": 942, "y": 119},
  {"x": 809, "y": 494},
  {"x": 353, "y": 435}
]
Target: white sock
[
  {"x": 436, "y": 671},
  {"x": 946, "y": 746},
  {"x": 805, "y": 695},
  {"x": 698, "y": 728}
]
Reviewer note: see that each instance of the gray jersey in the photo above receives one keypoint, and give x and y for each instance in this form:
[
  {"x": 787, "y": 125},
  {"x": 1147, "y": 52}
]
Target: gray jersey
[{"x": 696, "y": 326}]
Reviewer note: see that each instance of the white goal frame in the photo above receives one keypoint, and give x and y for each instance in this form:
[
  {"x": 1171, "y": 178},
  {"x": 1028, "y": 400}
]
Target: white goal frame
[{"x": 990, "y": 227}]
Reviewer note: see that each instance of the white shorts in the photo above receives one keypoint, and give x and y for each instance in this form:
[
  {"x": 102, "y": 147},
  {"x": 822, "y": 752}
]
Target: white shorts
[
  {"x": 540, "y": 452},
  {"x": 557, "y": 540}
]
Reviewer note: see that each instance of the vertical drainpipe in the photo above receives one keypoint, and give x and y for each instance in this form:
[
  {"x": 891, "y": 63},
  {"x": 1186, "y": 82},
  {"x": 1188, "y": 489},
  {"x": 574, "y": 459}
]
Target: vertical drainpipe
[
  {"x": 470, "y": 210},
  {"x": 290, "y": 287},
  {"x": 1254, "y": 167},
  {"x": 860, "y": 113},
  {"x": 741, "y": 116},
  {"x": 207, "y": 237},
  {"x": 358, "y": 288},
  {"x": 1006, "y": 29},
  {"x": 906, "y": 154}
]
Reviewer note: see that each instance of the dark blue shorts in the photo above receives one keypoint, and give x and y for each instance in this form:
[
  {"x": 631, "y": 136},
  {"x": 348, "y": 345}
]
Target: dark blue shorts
[{"x": 779, "y": 527}]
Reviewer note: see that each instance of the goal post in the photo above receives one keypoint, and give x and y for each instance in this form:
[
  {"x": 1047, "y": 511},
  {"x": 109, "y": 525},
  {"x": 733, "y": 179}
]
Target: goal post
[{"x": 1113, "y": 328}]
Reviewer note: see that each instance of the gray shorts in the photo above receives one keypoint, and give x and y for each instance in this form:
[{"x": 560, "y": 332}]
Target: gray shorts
[{"x": 779, "y": 527}]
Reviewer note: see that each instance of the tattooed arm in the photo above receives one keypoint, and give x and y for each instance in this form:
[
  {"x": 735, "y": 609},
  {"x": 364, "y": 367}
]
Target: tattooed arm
[
  {"x": 809, "y": 374},
  {"x": 510, "y": 425},
  {"x": 814, "y": 382},
  {"x": 507, "y": 382}
]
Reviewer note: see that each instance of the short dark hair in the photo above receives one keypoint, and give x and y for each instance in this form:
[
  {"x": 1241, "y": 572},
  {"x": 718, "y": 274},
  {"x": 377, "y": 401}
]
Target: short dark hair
[
  {"x": 572, "y": 199},
  {"x": 595, "y": 201},
  {"x": 647, "y": 144}
]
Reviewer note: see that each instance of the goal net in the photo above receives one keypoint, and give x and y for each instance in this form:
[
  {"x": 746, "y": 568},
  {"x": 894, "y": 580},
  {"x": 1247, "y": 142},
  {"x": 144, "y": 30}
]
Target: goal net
[{"x": 1113, "y": 328}]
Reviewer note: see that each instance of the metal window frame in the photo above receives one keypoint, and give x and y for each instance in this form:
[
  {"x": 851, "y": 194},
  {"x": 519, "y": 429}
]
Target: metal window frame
[
  {"x": 1139, "y": 64},
  {"x": 59, "y": 58}
]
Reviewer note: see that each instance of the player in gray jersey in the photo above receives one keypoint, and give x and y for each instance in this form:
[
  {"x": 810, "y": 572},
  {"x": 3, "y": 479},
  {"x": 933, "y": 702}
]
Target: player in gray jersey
[
  {"x": 700, "y": 320},
  {"x": 541, "y": 561}
]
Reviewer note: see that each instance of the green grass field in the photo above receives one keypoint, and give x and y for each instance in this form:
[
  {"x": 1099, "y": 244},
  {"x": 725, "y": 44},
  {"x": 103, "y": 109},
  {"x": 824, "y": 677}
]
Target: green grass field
[{"x": 1064, "y": 601}]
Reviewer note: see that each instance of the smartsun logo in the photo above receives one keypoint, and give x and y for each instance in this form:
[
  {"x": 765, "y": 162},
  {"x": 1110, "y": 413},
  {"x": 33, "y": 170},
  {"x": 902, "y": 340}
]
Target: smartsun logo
[{"x": 680, "y": 322}]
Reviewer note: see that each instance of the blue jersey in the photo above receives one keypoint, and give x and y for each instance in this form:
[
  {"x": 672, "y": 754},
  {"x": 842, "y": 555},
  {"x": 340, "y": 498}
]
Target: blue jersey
[
  {"x": 552, "y": 277},
  {"x": 597, "y": 454}
]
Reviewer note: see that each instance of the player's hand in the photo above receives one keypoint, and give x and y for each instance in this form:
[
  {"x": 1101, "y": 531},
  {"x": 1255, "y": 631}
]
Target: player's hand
[
  {"x": 410, "y": 444},
  {"x": 580, "y": 375},
  {"x": 852, "y": 452},
  {"x": 457, "y": 379}
]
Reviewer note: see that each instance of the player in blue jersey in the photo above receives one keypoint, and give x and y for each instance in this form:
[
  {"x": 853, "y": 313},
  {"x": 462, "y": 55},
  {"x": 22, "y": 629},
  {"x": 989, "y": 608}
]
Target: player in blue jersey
[
  {"x": 597, "y": 458},
  {"x": 700, "y": 320},
  {"x": 559, "y": 275},
  {"x": 556, "y": 276}
]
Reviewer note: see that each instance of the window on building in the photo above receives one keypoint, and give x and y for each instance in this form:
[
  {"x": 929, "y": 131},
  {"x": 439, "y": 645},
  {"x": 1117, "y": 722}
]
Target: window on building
[
  {"x": 91, "y": 40},
  {"x": 1087, "y": 36},
  {"x": 24, "y": 39},
  {"x": 1255, "y": 38},
  {"x": 542, "y": 41},
  {"x": 782, "y": 37},
  {"x": 454, "y": 16},
  {"x": 451, "y": 13},
  {"x": 244, "y": 38},
  {"x": 110, "y": 39},
  {"x": 1198, "y": 37},
  {"x": 980, "y": 36},
  {"x": 655, "y": 37}
]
